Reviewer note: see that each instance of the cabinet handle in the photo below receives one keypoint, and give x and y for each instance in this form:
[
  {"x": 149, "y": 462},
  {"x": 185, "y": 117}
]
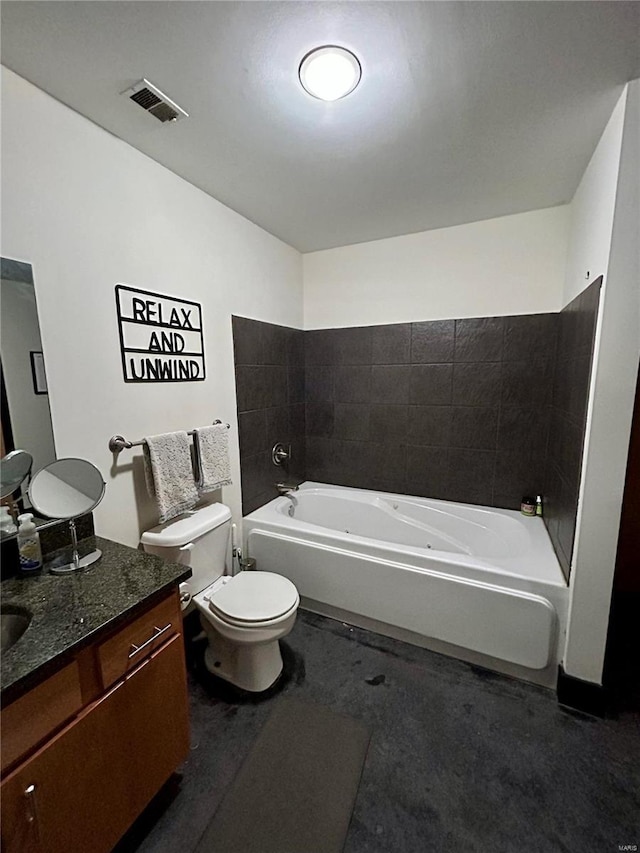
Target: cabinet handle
[
  {"x": 32, "y": 817},
  {"x": 158, "y": 633}
]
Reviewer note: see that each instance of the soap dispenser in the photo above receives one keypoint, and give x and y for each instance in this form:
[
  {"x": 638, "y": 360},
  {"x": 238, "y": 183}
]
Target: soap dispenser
[{"x": 29, "y": 544}]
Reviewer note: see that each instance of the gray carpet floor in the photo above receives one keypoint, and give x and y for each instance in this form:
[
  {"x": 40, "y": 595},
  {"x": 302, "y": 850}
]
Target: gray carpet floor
[{"x": 460, "y": 758}]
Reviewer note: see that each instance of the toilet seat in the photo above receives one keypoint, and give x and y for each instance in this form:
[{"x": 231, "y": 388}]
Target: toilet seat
[{"x": 252, "y": 599}]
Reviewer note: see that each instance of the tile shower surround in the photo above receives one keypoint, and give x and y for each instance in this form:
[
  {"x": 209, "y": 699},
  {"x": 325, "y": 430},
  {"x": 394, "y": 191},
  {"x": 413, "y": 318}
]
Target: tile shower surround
[
  {"x": 269, "y": 363},
  {"x": 450, "y": 409},
  {"x": 459, "y": 410},
  {"x": 569, "y": 418}
]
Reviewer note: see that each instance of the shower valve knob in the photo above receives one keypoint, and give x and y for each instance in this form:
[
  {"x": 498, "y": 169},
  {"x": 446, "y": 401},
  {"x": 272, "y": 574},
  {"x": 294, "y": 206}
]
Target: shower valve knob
[{"x": 280, "y": 453}]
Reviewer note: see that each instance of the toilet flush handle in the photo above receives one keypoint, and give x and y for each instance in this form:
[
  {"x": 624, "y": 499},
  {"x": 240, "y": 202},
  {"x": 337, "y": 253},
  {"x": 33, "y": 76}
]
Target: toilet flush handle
[
  {"x": 185, "y": 594},
  {"x": 184, "y": 553}
]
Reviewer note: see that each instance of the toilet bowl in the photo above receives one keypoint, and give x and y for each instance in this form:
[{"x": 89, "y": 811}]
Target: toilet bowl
[{"x": 243, "y": 616}]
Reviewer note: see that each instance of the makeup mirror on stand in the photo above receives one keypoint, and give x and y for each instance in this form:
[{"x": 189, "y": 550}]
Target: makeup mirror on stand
[
  {"x": 15, "y": 467},
  {"x": 64, "y": 490}
]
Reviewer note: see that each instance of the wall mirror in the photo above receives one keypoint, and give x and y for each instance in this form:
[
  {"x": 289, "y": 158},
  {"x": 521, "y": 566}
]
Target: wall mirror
[{"x": 26, "y": 417}]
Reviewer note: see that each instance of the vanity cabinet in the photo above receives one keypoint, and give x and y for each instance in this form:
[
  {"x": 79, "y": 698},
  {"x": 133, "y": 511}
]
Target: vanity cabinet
[{"x": 81, "y": 787}]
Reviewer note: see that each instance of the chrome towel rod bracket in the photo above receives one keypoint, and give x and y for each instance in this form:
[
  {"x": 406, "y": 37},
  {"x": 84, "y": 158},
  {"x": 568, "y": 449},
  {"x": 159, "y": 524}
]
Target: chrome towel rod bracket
[{"x": 119, "y": 442}]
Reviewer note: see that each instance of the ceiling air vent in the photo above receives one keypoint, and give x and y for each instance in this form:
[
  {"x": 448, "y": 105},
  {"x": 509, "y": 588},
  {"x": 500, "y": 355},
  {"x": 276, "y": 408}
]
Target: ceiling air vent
[{"x": 153, "y": 101}]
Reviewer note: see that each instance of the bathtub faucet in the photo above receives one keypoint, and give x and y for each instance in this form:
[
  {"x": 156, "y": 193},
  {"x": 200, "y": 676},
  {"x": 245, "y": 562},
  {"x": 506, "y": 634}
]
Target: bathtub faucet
[{"x": 285, "y": 489}]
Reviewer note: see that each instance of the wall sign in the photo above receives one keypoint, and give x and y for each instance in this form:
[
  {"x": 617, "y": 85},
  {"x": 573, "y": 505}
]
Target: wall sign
[{"x": 160, "y": 337}]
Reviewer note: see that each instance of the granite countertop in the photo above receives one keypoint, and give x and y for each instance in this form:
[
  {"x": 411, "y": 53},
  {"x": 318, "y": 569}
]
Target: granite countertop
[{"x": 69, "y": 610}]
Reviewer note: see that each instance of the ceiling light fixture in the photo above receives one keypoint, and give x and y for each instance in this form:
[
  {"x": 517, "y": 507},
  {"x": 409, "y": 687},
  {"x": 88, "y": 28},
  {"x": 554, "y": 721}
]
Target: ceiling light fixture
[{"x": 329, "y": 72}]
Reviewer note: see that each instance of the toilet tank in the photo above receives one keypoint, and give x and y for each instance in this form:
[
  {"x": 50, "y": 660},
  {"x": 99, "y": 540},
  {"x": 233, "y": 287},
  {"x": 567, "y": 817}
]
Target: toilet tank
[{"x": 200, "y": 539}]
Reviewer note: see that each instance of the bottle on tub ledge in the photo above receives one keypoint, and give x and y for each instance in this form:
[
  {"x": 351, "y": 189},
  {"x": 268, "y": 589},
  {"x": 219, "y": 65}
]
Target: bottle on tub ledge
[
  {"x": 539, "y": 505},
  {"x": 528, "y": 506}
]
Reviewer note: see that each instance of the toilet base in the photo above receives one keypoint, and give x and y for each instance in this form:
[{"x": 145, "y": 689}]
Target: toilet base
[{"x": 251, "y": 667}]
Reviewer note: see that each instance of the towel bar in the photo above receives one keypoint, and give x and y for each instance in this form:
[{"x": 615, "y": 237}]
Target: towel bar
[{"x": 119, "y": 442}]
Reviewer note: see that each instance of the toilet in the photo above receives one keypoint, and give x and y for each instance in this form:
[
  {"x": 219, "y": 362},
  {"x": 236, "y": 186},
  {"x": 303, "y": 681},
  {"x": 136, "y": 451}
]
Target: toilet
[{"x": 245, "y": 615}]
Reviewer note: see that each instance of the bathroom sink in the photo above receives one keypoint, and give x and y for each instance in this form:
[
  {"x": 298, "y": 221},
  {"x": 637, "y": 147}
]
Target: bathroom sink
[{"x": 14, "y": 621}]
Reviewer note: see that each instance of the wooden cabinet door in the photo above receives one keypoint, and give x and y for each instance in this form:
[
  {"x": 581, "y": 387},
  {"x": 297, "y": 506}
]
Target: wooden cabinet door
[{"x": 83, "y": 789}]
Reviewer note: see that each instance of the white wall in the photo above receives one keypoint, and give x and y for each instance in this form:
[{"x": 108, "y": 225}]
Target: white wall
[
  {"x": 88, "y": 211},
  {"x": 510, "y": 265},
  {"x": 591, "y": 210},
  {"x": 611, "y": 240}
]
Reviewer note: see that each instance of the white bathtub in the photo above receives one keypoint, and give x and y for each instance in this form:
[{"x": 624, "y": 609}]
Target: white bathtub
[{"x": 477, "y": 583}]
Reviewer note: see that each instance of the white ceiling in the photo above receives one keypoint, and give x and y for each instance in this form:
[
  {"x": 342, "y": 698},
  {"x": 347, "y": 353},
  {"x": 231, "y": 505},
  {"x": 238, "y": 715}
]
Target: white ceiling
[{"x": 466, "y": 110}]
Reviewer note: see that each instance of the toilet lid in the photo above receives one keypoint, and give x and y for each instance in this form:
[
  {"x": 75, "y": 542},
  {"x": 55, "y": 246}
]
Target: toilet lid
[{"x": 254, "y": 597}]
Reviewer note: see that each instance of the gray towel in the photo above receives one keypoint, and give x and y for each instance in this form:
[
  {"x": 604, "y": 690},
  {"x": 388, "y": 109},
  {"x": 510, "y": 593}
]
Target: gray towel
[
  {"x": 169, "y": 473},
  {"x": 211, "y": 454}
]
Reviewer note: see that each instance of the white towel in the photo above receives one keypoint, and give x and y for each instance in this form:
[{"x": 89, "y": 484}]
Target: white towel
[
  {"x": 211, "y": 453},
  {"x": 169, "y": 473}
]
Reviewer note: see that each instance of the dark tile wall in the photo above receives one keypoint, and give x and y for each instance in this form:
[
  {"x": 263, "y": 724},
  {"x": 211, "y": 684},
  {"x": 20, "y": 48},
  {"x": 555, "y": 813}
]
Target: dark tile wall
[
  {"x": 269, "y": 363},
  {"x": 572, "y": 372},
  {"x": 451, "y": 409}
]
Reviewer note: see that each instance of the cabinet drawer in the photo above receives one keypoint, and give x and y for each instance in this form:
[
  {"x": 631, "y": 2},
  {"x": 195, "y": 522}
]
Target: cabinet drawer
[
  {"x": 39, "y": 712},
  {"x": 133, "y": 643}
]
